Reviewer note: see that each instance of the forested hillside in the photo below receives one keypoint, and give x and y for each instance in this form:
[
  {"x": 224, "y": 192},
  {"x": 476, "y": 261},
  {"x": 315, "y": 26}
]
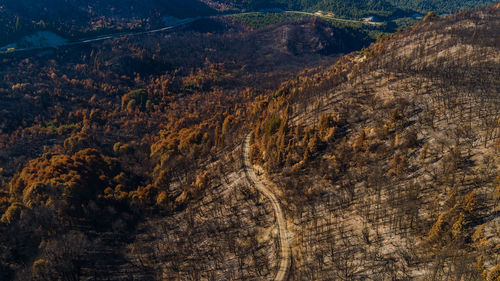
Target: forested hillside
[
  {"x": 356, "y": 9},
  {"x": 439, "y": 6},
  {"x": 349, "y": 8},
  {"x": 387, "y": 162}
]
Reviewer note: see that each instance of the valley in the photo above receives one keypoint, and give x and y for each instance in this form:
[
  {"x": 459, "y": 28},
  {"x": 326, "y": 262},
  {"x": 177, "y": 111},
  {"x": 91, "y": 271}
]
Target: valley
[{"x": 47, "y": 39}]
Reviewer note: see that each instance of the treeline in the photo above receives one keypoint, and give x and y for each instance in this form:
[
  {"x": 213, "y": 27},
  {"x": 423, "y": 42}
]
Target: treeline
[
  {"x": 261, "y": 20},
  {"x": 351, "y": 9},
  {"x": 388, "y": 9},
  {"x": 439, "y": 6}
]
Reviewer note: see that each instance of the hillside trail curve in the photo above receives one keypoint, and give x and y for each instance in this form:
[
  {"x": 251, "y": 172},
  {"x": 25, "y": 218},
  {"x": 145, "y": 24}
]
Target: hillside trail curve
[{"x": 285, "y": 252}]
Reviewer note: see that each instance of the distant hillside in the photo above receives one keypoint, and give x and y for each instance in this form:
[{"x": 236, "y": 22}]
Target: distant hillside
[
  {"x": 439, "y": 6},
  {"x": 355, "y": 8},
  {"x": 74, "y": 9},
  {"x": 75, "y": 17},
  {"x": 348, "y": 8}
]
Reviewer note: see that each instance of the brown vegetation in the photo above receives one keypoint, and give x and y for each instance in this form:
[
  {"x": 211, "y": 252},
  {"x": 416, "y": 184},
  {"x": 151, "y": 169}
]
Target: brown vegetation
[{"x": 387, "y": 158}]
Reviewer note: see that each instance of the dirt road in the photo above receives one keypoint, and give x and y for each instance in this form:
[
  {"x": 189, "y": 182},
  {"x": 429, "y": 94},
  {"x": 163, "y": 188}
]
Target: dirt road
[{"x": 285, "y": 253}]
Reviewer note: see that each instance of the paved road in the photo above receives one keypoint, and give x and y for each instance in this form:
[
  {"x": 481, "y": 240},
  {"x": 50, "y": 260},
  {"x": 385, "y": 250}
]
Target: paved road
[
  {"x": 323, "y": 16},
  {"x": 109, "y": 36},
  {"x": 285, "y": 253},
  {"x": 181, "y": 23}
]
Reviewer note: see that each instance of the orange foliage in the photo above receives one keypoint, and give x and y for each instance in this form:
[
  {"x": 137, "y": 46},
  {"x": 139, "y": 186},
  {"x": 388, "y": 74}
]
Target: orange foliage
[{"x": 79, "y": 177}]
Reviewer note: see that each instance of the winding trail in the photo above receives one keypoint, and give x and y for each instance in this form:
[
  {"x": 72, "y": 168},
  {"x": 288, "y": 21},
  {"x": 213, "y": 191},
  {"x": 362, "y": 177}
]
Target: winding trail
[{"x": 285, "y": 252}]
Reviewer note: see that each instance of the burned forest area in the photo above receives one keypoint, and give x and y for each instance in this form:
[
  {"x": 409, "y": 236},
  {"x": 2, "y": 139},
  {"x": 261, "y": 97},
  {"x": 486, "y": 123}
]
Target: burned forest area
[{"x": 297, "y": 148}]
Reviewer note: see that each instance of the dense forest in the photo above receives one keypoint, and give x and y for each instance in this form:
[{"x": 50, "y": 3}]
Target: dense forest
[
  {"x": 439, "y": 6},
  {"x": 124, "y": 160},
  {"x": 356, "y": 9},
  {"x": 350, "y": 8}
]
